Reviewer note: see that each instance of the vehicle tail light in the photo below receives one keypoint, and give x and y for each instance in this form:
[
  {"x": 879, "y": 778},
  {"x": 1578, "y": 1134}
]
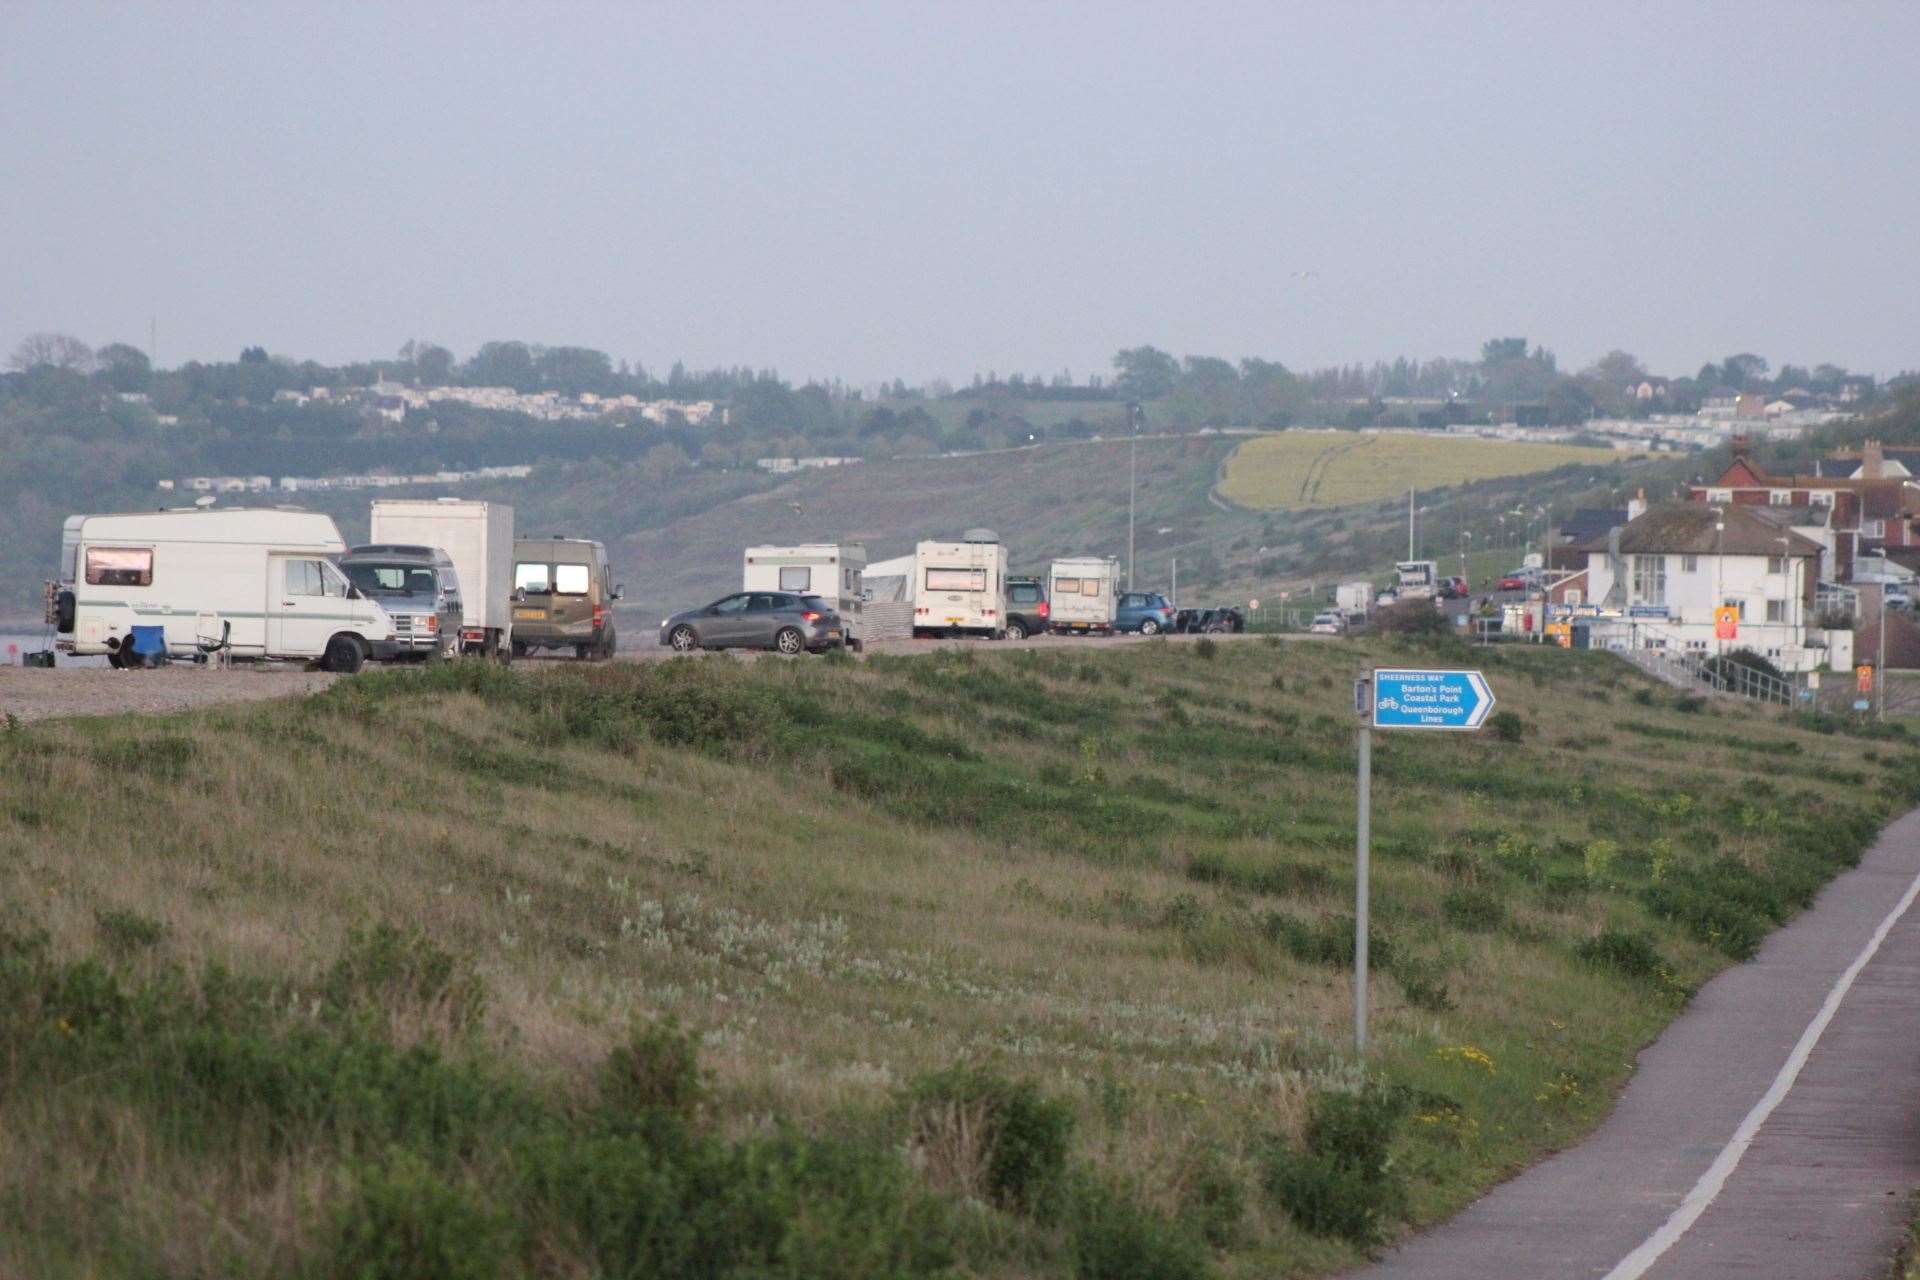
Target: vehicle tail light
[
  {"x": 473, "y": 635},
  {"x": 987, "y": 612},
  {"x": 599, "y": 614},
  {"x": 1045, "y": 609},
  {"x": 809, "y": 616}
]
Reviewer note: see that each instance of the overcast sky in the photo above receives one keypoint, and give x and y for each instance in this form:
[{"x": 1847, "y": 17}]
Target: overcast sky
[{"x": 933, "y": 189}]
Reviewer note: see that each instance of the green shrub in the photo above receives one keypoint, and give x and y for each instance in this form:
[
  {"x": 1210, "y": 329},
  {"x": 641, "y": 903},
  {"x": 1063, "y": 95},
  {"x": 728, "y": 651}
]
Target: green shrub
[
  {"x": 1473, "y": 909},
  {"x": 1632, "y": 954},
  {"x": 1507, "y": 726},
  {"x": 383, "y": 970},
  {"x": 656, "y": 1070},
  {"x": 126, "y": 932},
  {"x": 1344, "y": 1183},
  {"x": 1112, "y": 1236},
  {"x": 405, "y": 1221},
  {"x": 1021, "y": 1136},
  {"x": 1206, "y": 647},
  {"x": 1328, "y": 941},
  {"x": 1212, "y": 1199}
]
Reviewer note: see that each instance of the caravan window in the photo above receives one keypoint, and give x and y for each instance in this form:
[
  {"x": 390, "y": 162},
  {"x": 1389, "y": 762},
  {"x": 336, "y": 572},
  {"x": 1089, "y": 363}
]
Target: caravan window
[
  {"x": 956, "y": 579},
  {"x": 1065, "y": 587},
  {"x": 120, "y": 566},
  {"x": 534, "y": 579},
  {"x": 796, "y": 577},
  {"x": 572, "y": 579}
]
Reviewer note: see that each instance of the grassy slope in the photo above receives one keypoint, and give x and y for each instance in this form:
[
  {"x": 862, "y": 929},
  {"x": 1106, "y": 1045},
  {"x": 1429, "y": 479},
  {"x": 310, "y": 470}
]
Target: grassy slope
[
  {"x": 1316, "y": 469},
  {"x": 1120, "y": 876}
]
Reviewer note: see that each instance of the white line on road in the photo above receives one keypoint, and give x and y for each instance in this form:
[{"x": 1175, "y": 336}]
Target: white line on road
[{"x": 1704, "y": 1192}]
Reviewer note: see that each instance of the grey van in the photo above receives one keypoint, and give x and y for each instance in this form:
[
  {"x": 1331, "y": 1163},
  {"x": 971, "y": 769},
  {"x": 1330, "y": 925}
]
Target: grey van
[
  {"x": 417, "y": 587},
  {"x": 563, "y": 594}
]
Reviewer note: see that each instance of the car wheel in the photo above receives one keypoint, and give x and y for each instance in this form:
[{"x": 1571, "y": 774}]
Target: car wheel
[
  {"x": 790, "y": 641},
  {"x": 1016, "y": 630},
  {"x": 344, "y": 655},
  {"x": 607, "y": 646},
  {"x": 519, "y": 649},
  {"x": 1150, "y": 628},
  {"x": 683, "y": 640}
]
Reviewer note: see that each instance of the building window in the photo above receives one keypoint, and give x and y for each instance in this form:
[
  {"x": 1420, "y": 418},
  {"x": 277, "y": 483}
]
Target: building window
[
  {"x": 1650, "y": 579},
  {"x": 1739, "y": 608},
  {"x": 1776, "y": 564},
  {"x": 1719, "y": 495},
  {"x": 1779, "y": 498},
  {"x": 1776, "y": 611},
  {"x": 1689, "y": 564},
  {"x": 1820, "y": 498}
]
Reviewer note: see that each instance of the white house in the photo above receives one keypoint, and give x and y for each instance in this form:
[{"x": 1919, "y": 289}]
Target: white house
[{"x": 1663, "y": 576}]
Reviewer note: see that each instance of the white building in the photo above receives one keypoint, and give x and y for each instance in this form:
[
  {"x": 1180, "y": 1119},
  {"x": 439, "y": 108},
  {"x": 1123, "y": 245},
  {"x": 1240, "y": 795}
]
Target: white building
[{"x": 1660, "y": 580}]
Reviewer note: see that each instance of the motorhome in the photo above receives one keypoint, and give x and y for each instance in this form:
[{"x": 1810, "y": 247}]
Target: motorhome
[
  {"x": 478, "y": 537},
  {"x": 1085, "y": 593},
  {"x": 419, "y": 588},
  {"x": 1417, "y": 579},
  {"x": 831, "y": 570},
  {"x": 242, "y": 582},
  {"x": 960, "y": 588}
]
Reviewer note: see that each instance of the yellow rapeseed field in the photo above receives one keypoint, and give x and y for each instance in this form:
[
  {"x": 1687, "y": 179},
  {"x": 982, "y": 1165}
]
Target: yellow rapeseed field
[{"x": 1340, "y": 468}]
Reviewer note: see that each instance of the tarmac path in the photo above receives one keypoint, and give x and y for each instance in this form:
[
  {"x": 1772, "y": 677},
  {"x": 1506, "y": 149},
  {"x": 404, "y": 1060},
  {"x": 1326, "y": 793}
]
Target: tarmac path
[{"x": 1771, "y": 1133}]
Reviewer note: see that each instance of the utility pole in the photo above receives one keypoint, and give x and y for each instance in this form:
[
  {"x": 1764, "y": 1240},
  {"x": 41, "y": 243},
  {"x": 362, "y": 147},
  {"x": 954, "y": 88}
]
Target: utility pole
[
  {"x": 1362, "y": 842},
  {"x": 1409, "y": 522},
  {"x": 1134, "y": 416},
  {"x": 1880, "y": 661},
  {"x": 1176, "y": 582}
]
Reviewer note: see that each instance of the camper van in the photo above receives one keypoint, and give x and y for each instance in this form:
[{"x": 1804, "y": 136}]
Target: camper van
[
  {"x": 960, "y": 588},
  {"x": 243, "y": 582},
  {"x": 1417, "y": 579},
  {"x": 1085, "y": 593},
  {"x": 830, "y": 570},
  {"x": 563, "y": 594},
  {"x": 478, "y": 538}
]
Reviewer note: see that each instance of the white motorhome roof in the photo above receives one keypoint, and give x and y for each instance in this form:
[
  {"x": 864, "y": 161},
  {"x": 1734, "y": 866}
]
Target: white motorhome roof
[
  {"x": 302, "y": 530},
  {"x": 842, "y": 550},
  {"x": 1100, "y": 562}
]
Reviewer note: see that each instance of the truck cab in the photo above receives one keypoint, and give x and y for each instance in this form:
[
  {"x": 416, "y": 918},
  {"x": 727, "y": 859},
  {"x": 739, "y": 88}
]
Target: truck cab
[{"x": 418, "y": 587}]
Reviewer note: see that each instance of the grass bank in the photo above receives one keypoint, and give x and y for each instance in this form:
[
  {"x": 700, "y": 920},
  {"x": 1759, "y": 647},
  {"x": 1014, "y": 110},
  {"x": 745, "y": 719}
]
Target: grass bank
[{"x": 975, "y": 963}]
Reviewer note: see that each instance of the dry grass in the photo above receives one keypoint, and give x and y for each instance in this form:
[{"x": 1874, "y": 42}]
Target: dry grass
[
  {"x": 1301, "y": 469},
  {"x": 830, "y": 948}
]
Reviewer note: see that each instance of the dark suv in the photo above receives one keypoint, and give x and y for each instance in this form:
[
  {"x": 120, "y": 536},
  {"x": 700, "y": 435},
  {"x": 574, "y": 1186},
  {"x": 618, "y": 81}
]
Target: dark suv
[{"x": 1027, "y": 608}]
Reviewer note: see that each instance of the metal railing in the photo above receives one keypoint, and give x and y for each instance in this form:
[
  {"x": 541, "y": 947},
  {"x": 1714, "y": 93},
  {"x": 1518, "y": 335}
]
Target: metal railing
[{"x": 1719, "y": 673}]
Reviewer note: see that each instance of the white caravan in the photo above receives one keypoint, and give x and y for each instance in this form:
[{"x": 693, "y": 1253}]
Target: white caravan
[
  {"x": 247, "y": 582},
  {"x": 831, "y": 570},
  {"x": 1083, "y": 592},
  {"x": 478, "y": 538},
  {"x": 960, "y": 588}
]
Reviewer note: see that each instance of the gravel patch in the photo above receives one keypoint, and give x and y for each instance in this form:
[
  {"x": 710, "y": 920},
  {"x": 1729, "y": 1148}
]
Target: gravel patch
[{"x": 33, "y": 693}]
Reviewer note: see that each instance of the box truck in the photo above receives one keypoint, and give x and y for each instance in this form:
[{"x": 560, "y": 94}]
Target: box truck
[
  {"x": 831, "y": 570},
  {"x": 478, "y": 538},
  {"x": 243, "y": 582},
  {"x": 1417, "y": 579},
  {"x": 1354, "y": 600},
  {"x": 1085, "y": 593},
  {"x": 960, "y": 588}
]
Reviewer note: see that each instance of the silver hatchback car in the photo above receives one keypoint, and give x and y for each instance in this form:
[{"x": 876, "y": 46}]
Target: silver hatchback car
[{"x": 777, "y": 620}]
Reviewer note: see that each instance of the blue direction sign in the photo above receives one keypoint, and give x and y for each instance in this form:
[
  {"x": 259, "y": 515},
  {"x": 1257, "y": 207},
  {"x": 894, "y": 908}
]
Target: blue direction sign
[{"x": 1407, "y": 699}]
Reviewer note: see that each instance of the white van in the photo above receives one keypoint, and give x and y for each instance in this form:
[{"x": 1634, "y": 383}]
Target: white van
[
  {"x": 960, "y": 588},
  {"x": 1084, "y": 593},
  {"x": 478, "y": 538},
  {"x": 831, "y": 570},
  {"x": 246, "y": 582},
  {"x": 1417, "y": 579}
]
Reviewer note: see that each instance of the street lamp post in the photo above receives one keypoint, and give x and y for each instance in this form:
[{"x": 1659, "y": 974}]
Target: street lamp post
[{"x": 1719, "y": 589}]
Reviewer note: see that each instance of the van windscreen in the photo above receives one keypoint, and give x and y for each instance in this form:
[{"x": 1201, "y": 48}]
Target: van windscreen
[
  {"x": 392, "y": 580},
  {"x": 956, "y": 579}
]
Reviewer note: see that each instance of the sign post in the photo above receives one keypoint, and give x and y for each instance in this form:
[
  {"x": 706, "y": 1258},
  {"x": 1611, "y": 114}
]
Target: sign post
[{"x": 1399, "y": 698}]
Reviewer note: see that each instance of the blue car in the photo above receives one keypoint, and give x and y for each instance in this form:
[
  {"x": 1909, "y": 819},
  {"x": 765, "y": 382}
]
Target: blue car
[{"x": 1144, "y": 611}]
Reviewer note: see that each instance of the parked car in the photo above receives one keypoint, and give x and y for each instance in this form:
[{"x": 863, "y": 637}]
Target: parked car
[
  {"x": 1220, "y": 620},
  {"x": 1144, "y": 611},
  {"x": 1385, "y": 598},
  {"x": 776, "y": 620},
  {"x": 1329, "y": 624},
  {"x": 1454, "y": 588},
  {"x": 1519, "y": 579},
  {"x": 1027, "y": 610},
  {"x": 1895, "y": 596}
]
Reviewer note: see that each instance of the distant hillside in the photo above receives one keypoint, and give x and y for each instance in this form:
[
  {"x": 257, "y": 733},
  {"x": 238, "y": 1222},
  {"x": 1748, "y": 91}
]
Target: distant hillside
[{"x": 1054, "y": 500}]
